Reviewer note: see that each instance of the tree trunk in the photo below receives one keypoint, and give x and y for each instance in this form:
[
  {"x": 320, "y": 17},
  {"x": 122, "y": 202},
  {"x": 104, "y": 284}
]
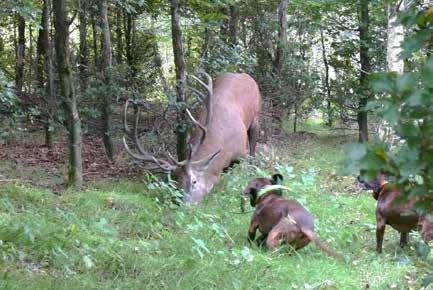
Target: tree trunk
[
  {"x": 21, "y": 45},
  {"x": 95, "y": 42},
  {"x": 40, "y": 53},
  {"x": 106, "y": 63},
  {"x": 119, "y": 43},
  {"x": 395, "y": 38},
  {"x": 44, "y": 64},
  {"x": 128, "y": 39},
  {"x": 29, "y": 62},
  {"x": 233, "y": 24},
  {"x": 67, "y": 94},
  {"x": 181, "y": 129},
  {"x": 365, "y": 69},
  {"x": 83, "y": 58},
  {"x": 282, "y": 37},
  {"x": 326, "y": 80}
]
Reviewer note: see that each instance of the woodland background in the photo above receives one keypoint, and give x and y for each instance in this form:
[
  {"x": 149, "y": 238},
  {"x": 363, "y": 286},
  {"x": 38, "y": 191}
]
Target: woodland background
[{"x": 346, "y": 86}]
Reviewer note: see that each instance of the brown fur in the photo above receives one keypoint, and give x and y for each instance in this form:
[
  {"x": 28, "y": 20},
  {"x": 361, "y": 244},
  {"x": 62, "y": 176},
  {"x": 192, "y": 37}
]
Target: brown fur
[
  {"x": 227, "y": 129},
  {"x": 280, "y": 220},
  {"x": 400, "y": 215},
  {"x": 234, "y": 126}
]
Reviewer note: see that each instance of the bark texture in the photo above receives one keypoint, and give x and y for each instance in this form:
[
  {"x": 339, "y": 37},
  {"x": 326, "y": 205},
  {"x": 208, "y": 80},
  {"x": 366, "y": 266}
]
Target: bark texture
[
  {"x": 106, "y": 63},
  {"x": 365, "y": 69},
  {"x": 179, "y": 59},
  {"x": 67, "y": 94},
  {"x": 21, "y": 45}
]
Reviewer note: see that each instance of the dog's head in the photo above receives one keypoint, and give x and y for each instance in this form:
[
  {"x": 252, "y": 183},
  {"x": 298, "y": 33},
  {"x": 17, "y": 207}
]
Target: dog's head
[
  {"x": 375, "y": 185},
  {"x": 254, "y": 186}
]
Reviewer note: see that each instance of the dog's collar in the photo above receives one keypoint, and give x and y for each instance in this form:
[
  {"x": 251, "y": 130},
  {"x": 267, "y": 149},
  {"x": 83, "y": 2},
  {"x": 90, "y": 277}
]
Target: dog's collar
[
  {"x": 269, "y": 188},
  {"x": 382, "y": 187}
]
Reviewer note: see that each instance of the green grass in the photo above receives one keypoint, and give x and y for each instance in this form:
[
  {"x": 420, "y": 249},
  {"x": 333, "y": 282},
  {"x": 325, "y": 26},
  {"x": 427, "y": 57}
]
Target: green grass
[{"x": 128, "y": 235}]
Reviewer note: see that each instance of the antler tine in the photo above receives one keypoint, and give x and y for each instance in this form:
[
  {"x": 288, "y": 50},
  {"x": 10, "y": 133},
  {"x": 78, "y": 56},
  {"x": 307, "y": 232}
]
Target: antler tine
[
  {"x": 161, "y": 163},
  {"x": 209, "y": 84},
  {"x": 125, "y": 123},
  {"x": 205, "y": 99},
  {"x": 194, "y": 120},
  {"x": 178, "y": 163},
  {"x": 144, "y": 155},
  {"x": 199, "y": 94}
]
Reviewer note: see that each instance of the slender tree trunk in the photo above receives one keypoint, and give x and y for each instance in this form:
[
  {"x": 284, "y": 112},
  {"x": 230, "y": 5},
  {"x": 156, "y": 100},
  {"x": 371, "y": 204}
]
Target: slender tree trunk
[
  {"x": 83, "y": 59},
  {"x": 326, "y": 80},
  {"x": 128, "y": 39},
  {"x": 119, "y": 40},
  {"x": 67, "y": 94},
  {"x": 181, "y": 129},
  {"x": 40, "y": 54},
  {"x": 29, "y": 62},
  {"x": 106, "y": 63},
  {"x": 295, "y": 119},
  {"x": 365, "y": 69},
  {"x": 282, "y": 37},
  {"x": 44, "y": 71},
  {"x": 21, "y": 45},
  {"x": 95, "y": 42},
  {"x": 233, "y": 24},
  {"x": 49, "y": 72},
  {"x": 395, "y": 38}
]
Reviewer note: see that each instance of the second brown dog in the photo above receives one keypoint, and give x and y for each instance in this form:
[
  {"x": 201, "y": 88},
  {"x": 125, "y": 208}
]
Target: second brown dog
[{"x": 400, "y": 215}]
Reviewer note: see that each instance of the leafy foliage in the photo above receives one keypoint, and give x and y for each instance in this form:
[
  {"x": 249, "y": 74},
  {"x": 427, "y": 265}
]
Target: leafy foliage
[{"x": 405, "y": 101}]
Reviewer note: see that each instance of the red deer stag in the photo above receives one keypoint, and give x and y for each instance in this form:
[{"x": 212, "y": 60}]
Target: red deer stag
[{"x": 225, "y": 128}]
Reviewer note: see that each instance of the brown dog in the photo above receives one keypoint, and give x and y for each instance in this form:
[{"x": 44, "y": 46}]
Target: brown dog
[
  {"x": 399, "y": 215},
  {"x": 278, "y": 219}
]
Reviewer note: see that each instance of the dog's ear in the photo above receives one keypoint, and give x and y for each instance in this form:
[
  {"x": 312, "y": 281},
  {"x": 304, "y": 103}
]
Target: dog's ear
[
  {"x": 277, "y": 178},
  {"x": 252, "y": 194}
]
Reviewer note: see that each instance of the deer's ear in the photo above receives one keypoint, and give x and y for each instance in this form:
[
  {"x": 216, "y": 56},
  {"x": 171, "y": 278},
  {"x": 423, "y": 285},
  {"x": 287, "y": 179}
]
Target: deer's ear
[{"x": 277, "y": 178}]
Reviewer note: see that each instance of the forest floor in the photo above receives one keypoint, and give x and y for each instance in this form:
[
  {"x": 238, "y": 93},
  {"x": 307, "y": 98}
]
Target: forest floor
[{"x": 123, "y": 233}]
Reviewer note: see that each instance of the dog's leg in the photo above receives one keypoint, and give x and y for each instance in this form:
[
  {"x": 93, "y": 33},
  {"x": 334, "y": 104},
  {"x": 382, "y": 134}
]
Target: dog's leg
[
  {"x": 252, "y": 230},
  {"x": 253, "y": 132},
  {"x": 380, "y": 231},
  {"x": 403, "y": 239},
  {"x": 273, "y": 240},
  {"x": 260, "y": 241}
]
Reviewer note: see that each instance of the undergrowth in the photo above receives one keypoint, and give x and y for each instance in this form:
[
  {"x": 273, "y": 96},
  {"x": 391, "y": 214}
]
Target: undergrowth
[{"x": 131, "y": 235}]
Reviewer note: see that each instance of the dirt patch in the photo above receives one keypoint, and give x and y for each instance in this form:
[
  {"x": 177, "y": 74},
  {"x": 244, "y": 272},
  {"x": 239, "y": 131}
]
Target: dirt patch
[{"x": 36, "y": 164}]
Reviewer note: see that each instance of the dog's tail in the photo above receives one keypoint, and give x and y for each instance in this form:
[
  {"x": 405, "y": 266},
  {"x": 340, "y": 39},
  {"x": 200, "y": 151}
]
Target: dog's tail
[{"x": 311, "y": 235}]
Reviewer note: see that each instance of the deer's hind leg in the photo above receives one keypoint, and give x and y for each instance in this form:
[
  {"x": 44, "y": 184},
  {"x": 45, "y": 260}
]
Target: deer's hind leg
[{"x": 253, "y": 132}]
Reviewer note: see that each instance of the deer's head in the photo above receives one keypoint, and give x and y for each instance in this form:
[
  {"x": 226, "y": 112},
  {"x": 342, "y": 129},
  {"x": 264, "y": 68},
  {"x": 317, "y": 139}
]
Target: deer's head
[{"x": 194, "y": 175}]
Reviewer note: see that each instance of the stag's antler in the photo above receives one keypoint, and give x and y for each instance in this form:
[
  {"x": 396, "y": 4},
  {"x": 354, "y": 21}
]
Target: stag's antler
[
  {"x": 143, "y": 155},
  {"x": 206, "y": 98}
]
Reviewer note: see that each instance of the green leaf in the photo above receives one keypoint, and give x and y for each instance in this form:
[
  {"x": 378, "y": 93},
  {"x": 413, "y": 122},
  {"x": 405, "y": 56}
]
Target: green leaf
[
  {"x": 405, "y": 82},
  {"x": 391, "y": 113},
  {"x": 373, "y": 105},
  {"x": 427, "y": 73},
  {"x": 383, "y": 82},
  {"x": 415, "y": 99}
]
